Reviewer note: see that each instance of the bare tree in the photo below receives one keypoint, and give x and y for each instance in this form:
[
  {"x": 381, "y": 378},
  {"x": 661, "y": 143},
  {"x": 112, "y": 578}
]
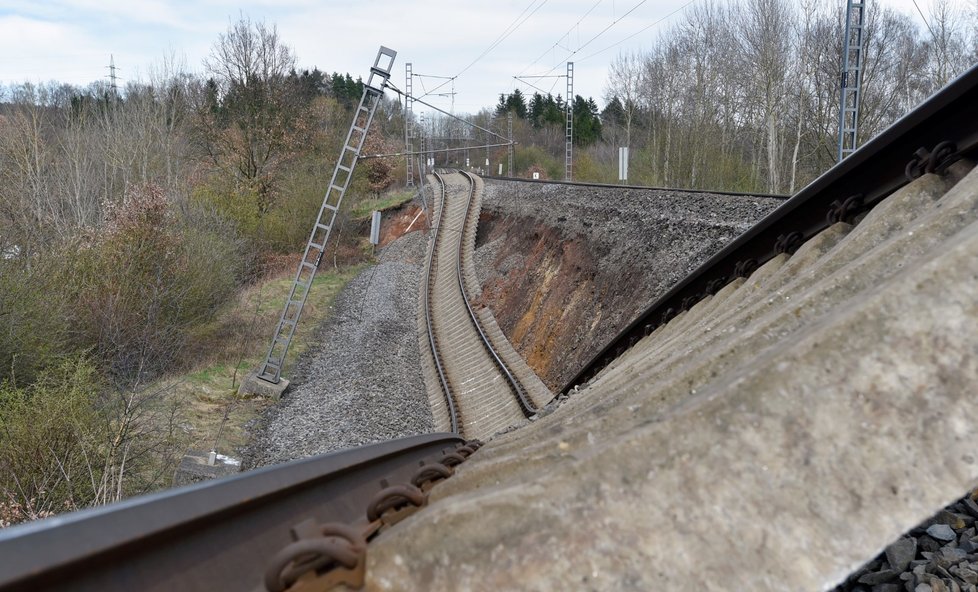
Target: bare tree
[
  {"x": 745, "y": 94},
  {"x": 250, "y": 121},
  {"x": 624, "y": 83},
  {"x": 947, "y": 26},
  {"x": 766, "y": 27}
]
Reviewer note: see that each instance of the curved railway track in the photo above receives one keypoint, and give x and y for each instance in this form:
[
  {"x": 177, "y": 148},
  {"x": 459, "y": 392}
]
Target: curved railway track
[
  {"x": 451, "y": 408},
  {"x": 231, "y": 533},
  {"x": 482, "y": 395}
]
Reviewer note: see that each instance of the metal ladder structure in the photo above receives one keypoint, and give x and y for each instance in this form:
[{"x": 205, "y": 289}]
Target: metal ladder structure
[
  {"x": 852, "y": 60},
  {"x": 373, "y": 92},
  {"x": 569, "y": 152},
  {"x": 511, "y": 149},
  {"x": 422, "y": 155},
  {"x": 408, "y": 125}
]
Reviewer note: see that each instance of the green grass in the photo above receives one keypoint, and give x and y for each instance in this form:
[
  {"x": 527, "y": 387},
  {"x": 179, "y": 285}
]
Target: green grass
[
  {"x": 233, "y": 345},
  {"x": 389, "y": 200}
]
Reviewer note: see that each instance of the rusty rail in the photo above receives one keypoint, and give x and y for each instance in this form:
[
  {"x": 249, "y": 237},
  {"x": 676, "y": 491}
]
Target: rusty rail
[{"x": 231, "y": 533}]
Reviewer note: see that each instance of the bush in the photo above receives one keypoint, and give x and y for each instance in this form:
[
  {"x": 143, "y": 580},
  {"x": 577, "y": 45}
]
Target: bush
[
  {"x": 69, "y": 442},
  {"x": 586, "y": 168},
  {"x": 237, "y": 204},
  {"x": 286, "y": 226},
  {"x": 52, "y": 436},
  {"x": 151, "y": 275},
  {"x": 33, "y": 317},
  {"x": 528, "y": 159}
]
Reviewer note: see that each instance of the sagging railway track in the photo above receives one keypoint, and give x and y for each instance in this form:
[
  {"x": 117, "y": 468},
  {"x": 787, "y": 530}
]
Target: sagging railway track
[
  {"x": 481, "y": 394},
  {"x": 237, "y": 533}
]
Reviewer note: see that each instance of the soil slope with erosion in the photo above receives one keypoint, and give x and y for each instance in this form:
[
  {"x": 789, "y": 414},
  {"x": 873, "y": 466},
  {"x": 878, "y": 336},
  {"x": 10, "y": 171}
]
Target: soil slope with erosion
[{"x": 565, "y": 267}]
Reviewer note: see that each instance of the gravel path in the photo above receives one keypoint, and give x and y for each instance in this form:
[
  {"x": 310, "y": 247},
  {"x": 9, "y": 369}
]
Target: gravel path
[{"x": 364, "y": 385}]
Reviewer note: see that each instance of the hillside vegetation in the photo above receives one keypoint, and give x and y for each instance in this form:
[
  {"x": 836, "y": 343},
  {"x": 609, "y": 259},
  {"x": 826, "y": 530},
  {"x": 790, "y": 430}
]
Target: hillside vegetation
[
  {"x": 148, "y": 236},
  {"x": 741, "y": 95}
]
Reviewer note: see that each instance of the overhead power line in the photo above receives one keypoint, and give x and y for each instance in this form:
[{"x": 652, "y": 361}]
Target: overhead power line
[
  {"x": 543, "y": 90},
  {"x": 516, "y": 24},
  {"x": 432, "y": 151},
  {"x": 443, "y": 112},
  {"x": 524, "y": 80},
  {"x": 932, "y": 33},
  {"x": 640, "y": 31},
  {"x": 562, "y": 37},
  {"x": 602, "y": 32}
]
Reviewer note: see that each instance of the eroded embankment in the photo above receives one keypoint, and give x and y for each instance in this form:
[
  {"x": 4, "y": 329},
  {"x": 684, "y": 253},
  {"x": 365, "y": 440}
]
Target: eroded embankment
[{"x": 564, "y": 268}]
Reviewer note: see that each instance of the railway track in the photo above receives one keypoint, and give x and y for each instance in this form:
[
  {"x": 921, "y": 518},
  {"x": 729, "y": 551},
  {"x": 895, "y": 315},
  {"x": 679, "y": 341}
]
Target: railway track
[
  {"x": 480, "y": 393},
  {"x": 929, "y": 139},
  {"x": 246, "y": 532},
  {"x": 310, "y": 520}
]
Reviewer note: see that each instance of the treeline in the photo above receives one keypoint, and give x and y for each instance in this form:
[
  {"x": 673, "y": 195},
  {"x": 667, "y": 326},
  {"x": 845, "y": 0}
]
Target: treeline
[
  {"x": 127, "y": 220},
  {"x": 543, "y": 111},
  {"x": 744, "y": 95}
]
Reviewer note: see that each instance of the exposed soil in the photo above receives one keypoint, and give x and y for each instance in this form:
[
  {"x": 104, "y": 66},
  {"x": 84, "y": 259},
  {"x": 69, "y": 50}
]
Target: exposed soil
[
  {"x": 564, "y": 268},
  {"x": 396, "y": 222}
]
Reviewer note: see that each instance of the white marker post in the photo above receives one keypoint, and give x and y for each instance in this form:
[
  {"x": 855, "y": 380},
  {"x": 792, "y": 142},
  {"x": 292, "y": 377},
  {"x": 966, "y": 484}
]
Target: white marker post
[
  {"x": 623, "y": 163},
  {"x": 374, "y": 230}
]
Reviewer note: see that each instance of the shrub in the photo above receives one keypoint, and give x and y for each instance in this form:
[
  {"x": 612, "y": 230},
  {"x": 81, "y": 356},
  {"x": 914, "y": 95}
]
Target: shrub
[
  {"x": 534, "y": 158},
  {"x": 68, "y": 441},
  {"x": 33, "y": 316},
  {"x": 52, "y": 436},
  {"x": 287, "y": 224},
  {"x": 151, "y": 275}
]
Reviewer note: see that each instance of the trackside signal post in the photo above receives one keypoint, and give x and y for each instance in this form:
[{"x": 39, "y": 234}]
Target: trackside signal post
[{"x": 267, "y": 380}]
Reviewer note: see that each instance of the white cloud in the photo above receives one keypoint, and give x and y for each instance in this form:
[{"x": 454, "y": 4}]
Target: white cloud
[
  {"x": 71, "y": 39},
  {"x": 37, "y": 50},
  {"x": 156, "y": 12}
]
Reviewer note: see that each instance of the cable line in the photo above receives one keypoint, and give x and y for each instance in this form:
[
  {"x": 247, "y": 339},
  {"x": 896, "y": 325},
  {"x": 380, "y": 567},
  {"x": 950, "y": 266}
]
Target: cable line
[
  {"x": 932, "y": 34},
  {"x": 602, "y": 32},
  {"x": 640, "y": 31},
  {"x": 562, "y": 37},
  {"x": 451, "y": 115},
  {"x": 516, "y": 24}
]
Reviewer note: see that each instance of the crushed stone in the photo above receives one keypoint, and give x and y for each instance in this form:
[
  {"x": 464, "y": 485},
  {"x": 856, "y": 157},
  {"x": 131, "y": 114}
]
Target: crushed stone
[{"x": 364, "y": 383}]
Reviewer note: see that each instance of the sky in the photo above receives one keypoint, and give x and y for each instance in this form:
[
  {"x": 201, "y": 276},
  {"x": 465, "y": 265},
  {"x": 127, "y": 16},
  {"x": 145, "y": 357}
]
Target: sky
[{"x": 483, "y": 44}]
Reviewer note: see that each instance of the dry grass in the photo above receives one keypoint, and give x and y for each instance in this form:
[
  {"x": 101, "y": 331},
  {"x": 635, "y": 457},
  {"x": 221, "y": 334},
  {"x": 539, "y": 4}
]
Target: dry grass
[{"x": 233, "y": 345}]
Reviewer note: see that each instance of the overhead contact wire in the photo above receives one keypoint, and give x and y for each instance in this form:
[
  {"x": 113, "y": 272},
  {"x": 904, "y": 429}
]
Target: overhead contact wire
[
  {"x": 562, "y": 37},
  {"x": 602, "y": 32},
  {"x": 516, "y": 24}
]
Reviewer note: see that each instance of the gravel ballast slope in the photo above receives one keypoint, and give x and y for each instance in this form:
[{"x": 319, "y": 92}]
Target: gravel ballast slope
[
  {"x": 565, "y": 267},
  {"x": 363, "y": 384}
]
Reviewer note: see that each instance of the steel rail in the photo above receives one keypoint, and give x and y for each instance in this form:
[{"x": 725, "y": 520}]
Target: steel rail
[
  {"x": 218, "y": 534},
  {"x": 453, "y": 412},
  {"x": 525, "y": 404},
  {"x": 636, "y": 187},
  {"x": 867, "y": 176}
]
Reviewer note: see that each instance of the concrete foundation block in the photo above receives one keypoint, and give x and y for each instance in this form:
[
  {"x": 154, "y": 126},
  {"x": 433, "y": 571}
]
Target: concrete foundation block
[
  {"x": 195, "y": 467},
  {"x": 252, "y": 385}
]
